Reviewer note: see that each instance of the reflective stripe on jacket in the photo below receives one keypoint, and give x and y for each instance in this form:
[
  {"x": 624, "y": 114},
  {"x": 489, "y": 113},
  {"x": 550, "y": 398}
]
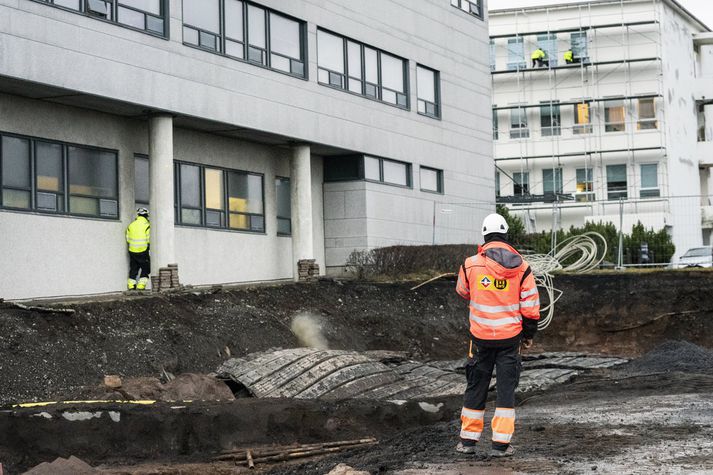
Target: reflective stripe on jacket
[
  {"x": 138, "y": 235},
  {"x": 501, "y": 290}
]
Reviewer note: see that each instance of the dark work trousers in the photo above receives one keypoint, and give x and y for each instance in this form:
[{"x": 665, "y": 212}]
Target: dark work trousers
[
  {"x": 139, "y": 264},
  {"x": 479, "y": 371}
]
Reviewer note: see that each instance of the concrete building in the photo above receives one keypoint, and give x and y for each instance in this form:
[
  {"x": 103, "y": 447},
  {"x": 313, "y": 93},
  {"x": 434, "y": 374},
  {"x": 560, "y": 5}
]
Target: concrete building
[
  {"x": 614, "y": 129},
  {"x": 258, "y": 133}
]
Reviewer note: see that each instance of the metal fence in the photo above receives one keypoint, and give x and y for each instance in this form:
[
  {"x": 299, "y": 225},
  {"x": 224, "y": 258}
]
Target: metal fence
[{"x": 640, "y": 232}]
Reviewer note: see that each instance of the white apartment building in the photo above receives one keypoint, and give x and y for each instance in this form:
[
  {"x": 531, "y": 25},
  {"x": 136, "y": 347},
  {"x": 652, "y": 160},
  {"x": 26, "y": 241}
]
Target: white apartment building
[
  {"x": 258, "y": 133},
  {"x": 619, "y": 127}
]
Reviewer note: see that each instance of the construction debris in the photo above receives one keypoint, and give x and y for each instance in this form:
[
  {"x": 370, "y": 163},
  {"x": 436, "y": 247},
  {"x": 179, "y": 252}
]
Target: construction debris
[
  {"x": 307, "y": 269},
  {"x": 167, "y": 279},
  {"x": 61, "y": 466},
  {"x": 251, "y": 457},
  {"x": 32, "y": 308},
  {"x": 307, "y": 373},
  {"x": 344, "y": 469}
]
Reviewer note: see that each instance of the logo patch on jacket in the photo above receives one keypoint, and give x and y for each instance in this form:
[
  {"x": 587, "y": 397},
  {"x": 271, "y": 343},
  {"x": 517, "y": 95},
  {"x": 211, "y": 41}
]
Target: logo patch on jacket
[{"x": 488, "y": 282}]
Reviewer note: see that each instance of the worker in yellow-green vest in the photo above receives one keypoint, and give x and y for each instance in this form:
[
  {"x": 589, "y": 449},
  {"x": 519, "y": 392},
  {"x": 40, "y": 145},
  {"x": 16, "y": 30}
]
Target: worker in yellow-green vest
[
  {"x": 138, "y": 238},
  {"x": 539, "y": 57},
  {"x": 570, "y": 58}
]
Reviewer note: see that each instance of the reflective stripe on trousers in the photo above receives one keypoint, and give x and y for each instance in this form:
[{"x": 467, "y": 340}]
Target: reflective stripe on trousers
[
  {"x": 496, "y": 322},
  {"x": 471, "y": 423},
  {"x": 503, "y": 425}
]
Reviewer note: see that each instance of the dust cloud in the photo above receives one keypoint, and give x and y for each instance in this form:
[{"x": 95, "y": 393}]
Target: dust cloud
[{"x": 308, "y": 330}]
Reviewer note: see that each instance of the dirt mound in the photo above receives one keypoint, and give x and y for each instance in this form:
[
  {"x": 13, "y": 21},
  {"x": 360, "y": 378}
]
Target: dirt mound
[
  {"x": 70, "y": 466},
  {"x": 674, "y": 356},
  {"x": 185, "y": 387}
]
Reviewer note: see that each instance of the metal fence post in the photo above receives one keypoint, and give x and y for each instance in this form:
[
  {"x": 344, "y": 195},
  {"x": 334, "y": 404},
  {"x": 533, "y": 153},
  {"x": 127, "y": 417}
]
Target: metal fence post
[{"x": 620, "y": 257}]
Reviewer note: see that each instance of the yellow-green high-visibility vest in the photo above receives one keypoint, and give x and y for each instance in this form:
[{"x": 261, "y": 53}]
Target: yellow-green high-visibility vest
[
  {"x": 138, "y": 235},
  {"x": 569, "y": 56},
  {"x": 538, "y": 54}
]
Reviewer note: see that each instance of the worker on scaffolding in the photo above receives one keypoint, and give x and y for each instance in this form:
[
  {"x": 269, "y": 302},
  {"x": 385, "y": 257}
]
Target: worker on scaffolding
[
  {"x": 570, "y": 58},
  {"x": 504, "y": 311},
  {"x": 539, "y": 57},
  {"x": 138, "y": 236}
]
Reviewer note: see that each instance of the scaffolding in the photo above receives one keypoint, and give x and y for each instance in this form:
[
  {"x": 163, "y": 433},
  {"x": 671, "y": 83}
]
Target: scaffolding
[{"x": 595, "y": 72}]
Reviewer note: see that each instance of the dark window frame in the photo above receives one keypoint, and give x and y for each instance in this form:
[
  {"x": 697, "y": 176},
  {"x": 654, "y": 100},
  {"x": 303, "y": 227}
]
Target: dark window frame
[
  {"x": 409, "y": 172},
  {"x": 617, "y": 192},
  {"x": 588, "y": 193},
  {"x": 523, "y": 184},
  {"x": 84, "y": 11},
  {"x": 439, "y": 178},
  {"x": 476, "y": 12},
  {"x": 558, "y": 187},
  {"x": 555, "y": 127},
  {"x": 142, "y": 156},
  {"x": 344, "y": 77},
  {"x": 64, "y": 192},
  {"x": 277, "y": 207},
  {"x": 225, "y": 226},
  {"x": 221, "y": 39},
  {"x": 437, "y": 94}
]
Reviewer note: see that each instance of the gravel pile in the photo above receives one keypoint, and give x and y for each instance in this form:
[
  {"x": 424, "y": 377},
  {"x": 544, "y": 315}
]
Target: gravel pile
[{"x": 674, "y": 356}]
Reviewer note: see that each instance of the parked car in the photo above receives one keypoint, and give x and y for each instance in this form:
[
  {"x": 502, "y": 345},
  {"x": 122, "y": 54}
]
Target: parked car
[{"x": 697, "y": 257}]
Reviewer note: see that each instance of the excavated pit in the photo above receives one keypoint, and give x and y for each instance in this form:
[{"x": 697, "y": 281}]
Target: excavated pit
[{"x": 387, "y": 343}]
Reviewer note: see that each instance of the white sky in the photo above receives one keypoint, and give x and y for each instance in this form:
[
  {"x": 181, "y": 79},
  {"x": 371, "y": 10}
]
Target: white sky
[{"x": 703, "y": 9}]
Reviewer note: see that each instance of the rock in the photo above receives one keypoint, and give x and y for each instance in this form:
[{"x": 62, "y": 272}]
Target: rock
[
  {"x": 343, "y": 469},
  {"x": 112, "y": 381},
  {"x": 70, "y": 466}
]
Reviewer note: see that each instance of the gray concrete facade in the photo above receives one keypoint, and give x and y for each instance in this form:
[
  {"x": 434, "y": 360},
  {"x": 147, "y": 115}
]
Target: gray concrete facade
[{"x": 69, "y": 77}]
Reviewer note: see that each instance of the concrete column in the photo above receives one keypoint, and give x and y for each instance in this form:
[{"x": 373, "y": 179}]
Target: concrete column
[
  {"x": 163, "y": 248},
  {"x": 301, "y": 196}
]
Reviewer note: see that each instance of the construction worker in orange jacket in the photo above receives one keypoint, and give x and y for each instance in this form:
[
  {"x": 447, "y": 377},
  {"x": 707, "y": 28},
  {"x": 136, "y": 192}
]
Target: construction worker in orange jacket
[{"x": 504, "y": 310}]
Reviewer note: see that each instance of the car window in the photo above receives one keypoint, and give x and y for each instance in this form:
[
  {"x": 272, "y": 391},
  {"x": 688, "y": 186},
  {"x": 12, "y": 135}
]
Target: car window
[{"x": 698, "y": 252}]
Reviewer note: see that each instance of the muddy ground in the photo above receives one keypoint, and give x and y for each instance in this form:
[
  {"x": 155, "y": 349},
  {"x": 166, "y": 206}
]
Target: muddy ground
[
  {"x": 653, "y": 416},
  {"x": 45, "y": 356}
]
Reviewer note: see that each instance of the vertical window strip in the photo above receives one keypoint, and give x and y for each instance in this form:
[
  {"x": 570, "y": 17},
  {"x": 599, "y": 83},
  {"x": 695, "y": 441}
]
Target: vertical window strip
[
  {"x": 148, "y": 16},
  {"x": 221, "y": 198},
  {"x": 355, "y": 67},
  {"x": 247, "y": 32},
  {"x": 58, "y": 178}
]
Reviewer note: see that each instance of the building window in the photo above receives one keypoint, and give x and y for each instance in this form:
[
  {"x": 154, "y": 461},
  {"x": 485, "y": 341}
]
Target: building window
[
  {"x": 355, "y": 67},
  {"x": 146, "y": 15},
  {"x": 428, "y": 85},
  {"x": 552, "y": 181},
  {"x": 649, "y": 181},
  {"x": 647, "y": 114},
  {"x": 219, "y": 198},
  {"x": 616, "y": 182},
  {"x": 578, "y": 43},
  {"x": 241, "y": 31},
  {"x": 431, "y": 180},
  {"x": 518, "y": 123},
  {"x": 53, "y": 177},
  {"x": 284, "y": 206},
  {"x": 474, "y": 7},
  {"x": 548, "y": 44},
  {"x": 582, "y": 120},
  {"x": 497, "y": 184},
  {"x": 516, "y": 54},
  {"x": 387, "y": 171},
  {"x": 585, "y": 185},
  {"x": 495, "y": 122},
  {"x": 614, "y": 116},
  {"x": 493, "y": 56},
  {"x": 550, "y": 119},
  {"x": 141, "y": 181},
  {"x": 521, "y": 182}
]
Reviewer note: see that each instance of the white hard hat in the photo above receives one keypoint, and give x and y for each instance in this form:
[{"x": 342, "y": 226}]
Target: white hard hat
[
  {"x": 494, "y": 223},
  {"x": 142, "y": 212}
]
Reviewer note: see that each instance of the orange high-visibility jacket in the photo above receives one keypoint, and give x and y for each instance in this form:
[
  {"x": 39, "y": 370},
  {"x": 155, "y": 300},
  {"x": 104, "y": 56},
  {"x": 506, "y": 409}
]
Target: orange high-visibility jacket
[{"x": 501, "y": 290}]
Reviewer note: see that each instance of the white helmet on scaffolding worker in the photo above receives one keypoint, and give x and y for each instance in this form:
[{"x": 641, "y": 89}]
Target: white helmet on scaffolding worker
[{"x": 494, "y": 223}]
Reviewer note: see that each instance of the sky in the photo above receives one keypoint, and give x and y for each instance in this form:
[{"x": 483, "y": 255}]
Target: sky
[{"x": 703, "y": 9}]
